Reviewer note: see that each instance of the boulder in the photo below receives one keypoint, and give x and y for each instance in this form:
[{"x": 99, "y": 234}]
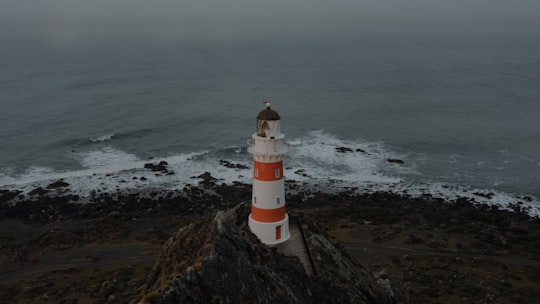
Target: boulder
[
  {"x": 231, "y": 165},
  {"x": 161, "y": 166},
  {"x": 207, "y": 179},
  {"x": 57, "y": 184},
  {"x": 344, "y": 150},
  {"x": 38, "y": 191},
  {"x": 487, "y": 195},
  {"x": 7, "y": 195}
]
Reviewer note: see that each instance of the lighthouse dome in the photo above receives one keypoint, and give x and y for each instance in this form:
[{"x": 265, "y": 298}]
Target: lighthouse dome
[
  {"x": 268, "y": 114},
  {"x": 268, "y": 122}
]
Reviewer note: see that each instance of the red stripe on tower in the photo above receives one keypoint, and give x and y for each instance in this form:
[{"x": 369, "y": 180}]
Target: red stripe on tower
[
  {"x": 268, "y": 219},
  {"x": 268, "y": 171},
  {"x": 268, "y": 215}
]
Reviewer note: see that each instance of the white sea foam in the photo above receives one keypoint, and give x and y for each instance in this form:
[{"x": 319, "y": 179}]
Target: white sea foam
[
  {"x": 30, "y": 175},
  {"x": 450, "y": 192},
  {"x": 110, "y": 169},
  {"x": 108, "y": 157},
  {"x": 319, "y": 164},
  {"x": 102, "y": 138},
  {"x": 316, "y": 157},
  {"x": 313, "y": 160}
]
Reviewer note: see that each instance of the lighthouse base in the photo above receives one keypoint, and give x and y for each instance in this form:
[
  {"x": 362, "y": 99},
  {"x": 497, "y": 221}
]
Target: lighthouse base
[{"x": 270, "y": 233}]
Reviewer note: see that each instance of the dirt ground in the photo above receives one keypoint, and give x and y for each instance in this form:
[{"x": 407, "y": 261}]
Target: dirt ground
[
  {"x": 84, "y": 261},
  {"x": 457, "y": 260},
  {"x": 432, "y": 253}
]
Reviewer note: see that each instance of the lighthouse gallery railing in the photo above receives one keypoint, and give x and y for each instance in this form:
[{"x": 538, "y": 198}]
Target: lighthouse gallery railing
[{"x": 279, "y": 147}]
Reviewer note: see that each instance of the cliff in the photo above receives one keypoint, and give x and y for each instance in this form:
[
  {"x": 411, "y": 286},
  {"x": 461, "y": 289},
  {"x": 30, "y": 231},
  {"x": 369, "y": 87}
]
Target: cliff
[{"x": 221, "y": 261}]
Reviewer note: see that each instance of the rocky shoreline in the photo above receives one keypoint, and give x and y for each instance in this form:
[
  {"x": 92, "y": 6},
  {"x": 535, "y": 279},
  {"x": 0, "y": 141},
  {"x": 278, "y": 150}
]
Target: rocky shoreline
[{"x": 432, "y": 250}]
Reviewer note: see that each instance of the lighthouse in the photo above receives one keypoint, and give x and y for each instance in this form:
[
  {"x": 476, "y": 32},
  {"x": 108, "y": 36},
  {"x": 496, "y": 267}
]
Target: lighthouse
[{"x": 268, "y": 219}]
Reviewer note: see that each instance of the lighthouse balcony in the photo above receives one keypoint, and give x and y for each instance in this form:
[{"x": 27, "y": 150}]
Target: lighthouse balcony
[{"x": 263, "y": 146}]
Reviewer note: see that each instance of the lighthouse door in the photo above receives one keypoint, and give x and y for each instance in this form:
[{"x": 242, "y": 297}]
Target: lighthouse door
[{"x": 278, "y": 232}]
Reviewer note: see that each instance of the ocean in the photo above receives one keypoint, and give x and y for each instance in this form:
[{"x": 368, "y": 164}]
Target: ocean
[{"x": 93, "y": 104}]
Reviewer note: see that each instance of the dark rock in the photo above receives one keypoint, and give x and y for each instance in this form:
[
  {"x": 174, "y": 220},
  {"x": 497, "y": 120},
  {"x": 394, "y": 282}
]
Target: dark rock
[
  {"x": 238, "y": 192},
  {"x": 301, "y": 172},
  {"x": 231, "y": 165},
  {"x": 488, "y": 195},
  {"x": 57, "y": 184},
  {"x": 344, "y": 150},
  {"x": 207, "y": 179},
  {"x": 38, "y": 191},
  {"x": 349, "y": 150},
  {"x": 426, "y": 197},
  {"x": 161, "y": 166},
  {"x": 221, "y": 261},
  {"x": 143, "y": 178},
  {"x": 6, "y": 195},
  {"x": 395, "y": 161}
]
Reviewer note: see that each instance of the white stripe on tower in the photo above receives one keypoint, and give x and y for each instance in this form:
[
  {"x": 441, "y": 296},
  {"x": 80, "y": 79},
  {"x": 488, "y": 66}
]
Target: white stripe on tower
[{"x": 268, "y": 218}]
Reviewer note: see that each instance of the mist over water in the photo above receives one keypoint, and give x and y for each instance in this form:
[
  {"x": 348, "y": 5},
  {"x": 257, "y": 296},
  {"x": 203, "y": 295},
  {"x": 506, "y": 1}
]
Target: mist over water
[{"x": 100, "y": 86}]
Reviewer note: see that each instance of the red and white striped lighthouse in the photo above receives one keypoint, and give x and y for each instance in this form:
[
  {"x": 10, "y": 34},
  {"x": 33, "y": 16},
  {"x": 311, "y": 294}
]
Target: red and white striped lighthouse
[{"x": 268, "y": 219}]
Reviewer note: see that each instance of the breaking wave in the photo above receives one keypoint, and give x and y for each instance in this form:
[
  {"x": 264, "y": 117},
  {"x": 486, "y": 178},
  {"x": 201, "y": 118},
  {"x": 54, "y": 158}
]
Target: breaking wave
[
  {"x": 102, "y": 138},
  {"x": 317, "y": 160}
]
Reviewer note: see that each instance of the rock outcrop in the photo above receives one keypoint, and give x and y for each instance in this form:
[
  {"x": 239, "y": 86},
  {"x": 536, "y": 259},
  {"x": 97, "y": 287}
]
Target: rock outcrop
[
  {"x": 161, "y": 166},
  {"x": 221, "y": 261}
]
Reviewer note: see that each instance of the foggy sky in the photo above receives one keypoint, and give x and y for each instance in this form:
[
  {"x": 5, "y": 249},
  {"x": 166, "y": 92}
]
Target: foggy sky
[{"x": 278, "y": 10}]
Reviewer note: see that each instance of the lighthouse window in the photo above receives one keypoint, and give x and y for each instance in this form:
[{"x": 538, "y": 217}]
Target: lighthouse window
[
  {"x": 256, "y": 172},
  {"x": 262, "y": 128},
  {"x": 278, "y": 173},
  {"x": 255, "y": 200},
  {"x": 277, "y": 200}
]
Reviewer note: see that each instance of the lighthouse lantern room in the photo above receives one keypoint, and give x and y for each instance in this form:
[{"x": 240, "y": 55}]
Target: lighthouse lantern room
[{"x": 268, "y": 219}]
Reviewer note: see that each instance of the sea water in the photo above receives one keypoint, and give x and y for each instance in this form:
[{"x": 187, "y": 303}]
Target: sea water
[{"x": 92, "y": 105}]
